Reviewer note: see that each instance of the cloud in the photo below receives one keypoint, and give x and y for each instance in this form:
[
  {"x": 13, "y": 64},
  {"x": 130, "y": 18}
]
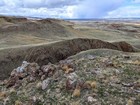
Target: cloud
[
  {"x": 39, "y": 8},
  {"x": 40, "y": 3},
  {"x": 136, "y": 1},
  {"x": 42, "y": 12},
  {"x": 69, "y": 8},
  {"x": 1, "y": 3},
  {"x": 96, "y": 8},
  {"x": 125, "y": 12}
]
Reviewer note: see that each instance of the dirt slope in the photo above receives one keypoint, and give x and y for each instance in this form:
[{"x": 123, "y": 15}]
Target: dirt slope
[
  {"x": 16, "y": 31},
  {"x": 43, "y": 54}
]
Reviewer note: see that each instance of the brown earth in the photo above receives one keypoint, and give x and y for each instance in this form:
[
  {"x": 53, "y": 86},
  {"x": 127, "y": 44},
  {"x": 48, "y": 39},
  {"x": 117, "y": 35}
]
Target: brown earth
[{"x": 54, "y": 52}]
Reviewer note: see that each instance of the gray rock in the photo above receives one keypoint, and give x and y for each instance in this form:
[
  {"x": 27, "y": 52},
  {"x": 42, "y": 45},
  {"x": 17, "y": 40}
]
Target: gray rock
[
  {"x": 22, "y": 67},
  {"x": 45, "y": 83}
]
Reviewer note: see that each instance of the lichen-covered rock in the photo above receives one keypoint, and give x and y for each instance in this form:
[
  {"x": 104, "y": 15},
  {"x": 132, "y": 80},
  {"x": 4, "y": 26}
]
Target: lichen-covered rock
[
  {"x": 39, "y": 85},
  {"x": 48, "y": 70},
  {"x": 72, "y": 80},
  {"x": 27, "y": 70},
  {"x": 46, "y": 83},
  {"x": 91, "y": 99},
  {"x": 22, "y": 67}
]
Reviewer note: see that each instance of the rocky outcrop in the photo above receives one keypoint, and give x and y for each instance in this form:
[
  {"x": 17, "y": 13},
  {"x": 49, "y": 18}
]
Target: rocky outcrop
[{"x": 54, "y": 52}]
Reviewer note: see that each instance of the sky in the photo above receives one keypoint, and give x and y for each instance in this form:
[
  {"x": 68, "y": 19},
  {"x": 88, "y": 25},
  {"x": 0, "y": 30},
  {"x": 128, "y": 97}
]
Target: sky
[{"x": 71, "y": 9}]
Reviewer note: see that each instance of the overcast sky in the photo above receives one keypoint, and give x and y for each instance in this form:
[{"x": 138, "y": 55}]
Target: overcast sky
[{"x": 71, "y": 8}]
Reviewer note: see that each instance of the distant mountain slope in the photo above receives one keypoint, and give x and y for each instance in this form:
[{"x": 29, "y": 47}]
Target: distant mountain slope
[{"x": 21, "y": 31}]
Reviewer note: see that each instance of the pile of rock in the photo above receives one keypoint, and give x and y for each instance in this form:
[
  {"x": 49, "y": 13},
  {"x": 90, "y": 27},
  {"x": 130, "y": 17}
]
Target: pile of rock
[{"x": 29, "y": 72}]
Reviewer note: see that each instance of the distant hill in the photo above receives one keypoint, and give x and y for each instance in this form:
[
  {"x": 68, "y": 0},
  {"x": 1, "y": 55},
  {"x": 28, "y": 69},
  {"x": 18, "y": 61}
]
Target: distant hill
[{"x": 22, "y": 31}]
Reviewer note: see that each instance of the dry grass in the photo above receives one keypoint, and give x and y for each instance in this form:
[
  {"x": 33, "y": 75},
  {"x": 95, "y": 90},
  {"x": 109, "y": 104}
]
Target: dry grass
[
  {"x": 20, "y": 32},
  {"x": 100, "y": 30}
]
